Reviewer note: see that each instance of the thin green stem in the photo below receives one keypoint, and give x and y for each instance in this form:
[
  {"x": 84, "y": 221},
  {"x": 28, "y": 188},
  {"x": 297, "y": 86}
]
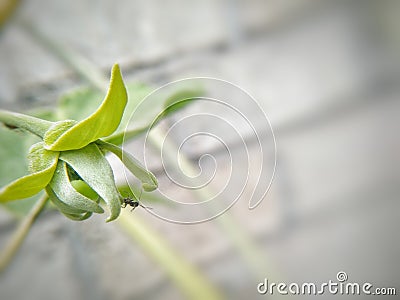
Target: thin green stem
[
  {"x": 20, "y": 233},
  {"x": 191, "y": 282},
  {"x": 34, "y": 125},
  {"x": 149, "y": 181}
]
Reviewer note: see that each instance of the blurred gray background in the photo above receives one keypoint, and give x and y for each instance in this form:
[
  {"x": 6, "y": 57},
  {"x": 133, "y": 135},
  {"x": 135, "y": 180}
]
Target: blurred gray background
[{"x": 327, "y": 75}]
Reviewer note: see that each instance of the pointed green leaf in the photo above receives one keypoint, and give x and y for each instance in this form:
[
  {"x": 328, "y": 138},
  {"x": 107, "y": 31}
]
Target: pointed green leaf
[
  {"x": 102, "y": 122},
  {"x": 78, "y": 217},
  {"x": 62, "y": 187},
  {"x": 40, "y": 158},
  {"x": 149, "y": 181},
  {"x": 81, "y": 103},
  {"x": 94, "y": 169},
  {"x": 180, "y": 100},
  {"x": 42, "y": 164},
  {"x": 63, "y": 207},
  {"x": 83, "y": 188},
  {"x": 68, "y": 211}
]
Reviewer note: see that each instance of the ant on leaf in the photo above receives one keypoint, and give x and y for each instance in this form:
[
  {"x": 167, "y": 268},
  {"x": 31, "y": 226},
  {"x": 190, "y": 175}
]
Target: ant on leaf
[{"x": 135, "y": 202}]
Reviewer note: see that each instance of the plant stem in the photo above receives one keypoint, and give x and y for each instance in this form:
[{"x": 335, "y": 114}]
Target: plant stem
[
  {"x": 19, "y": 235},
  {"x": 149, "y": 181},
  {"x": 34, "y": 125},
  {"x": 185, "y": 276}
]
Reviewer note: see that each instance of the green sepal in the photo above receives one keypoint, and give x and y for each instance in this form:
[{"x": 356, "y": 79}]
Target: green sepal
[
  {"x": 62, "y": 187},
  {"x": 149, "y": 181},
  {"x": 83, "y": 188},
  {"x": 70, "y": 212},
  {"x": 103, "y": 122},
  {"x": 42, "y": 164},
  {"x": 180, "y": 100},
  {"x": 91, "y": 165}
]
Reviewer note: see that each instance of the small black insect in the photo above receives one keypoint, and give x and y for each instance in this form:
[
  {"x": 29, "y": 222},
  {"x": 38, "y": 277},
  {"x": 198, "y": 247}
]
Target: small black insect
[{"x": 133, "y": 203}]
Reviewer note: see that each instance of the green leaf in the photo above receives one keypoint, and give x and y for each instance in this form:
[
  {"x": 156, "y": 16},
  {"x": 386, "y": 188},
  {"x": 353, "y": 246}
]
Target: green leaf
[
  {"x": 62, "y": 187},
  {"x": 94, "y": 169},
  {"x": 78, "y": 217},
  {"x": 40, "y": 159},
  {"x": 81, "y": 103},
  {"x": 68, "y": 211},
  {"x": 149, "y": 181},
  {"x": 102, "y": 122},
  {"x": 43, "y": 164},
  {"x": 180, "y": 100},
  {"x": 83, "y": 188},
  {"x": 73, "y": 106},
  {"x": 57, "y": 130}
]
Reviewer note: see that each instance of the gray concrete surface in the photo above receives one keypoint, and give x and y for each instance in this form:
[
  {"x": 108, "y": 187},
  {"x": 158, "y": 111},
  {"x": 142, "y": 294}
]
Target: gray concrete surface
[{"x": 327, "y": 77}]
